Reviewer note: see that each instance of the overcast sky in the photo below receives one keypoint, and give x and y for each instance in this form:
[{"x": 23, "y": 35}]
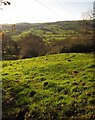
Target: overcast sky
[{"x": 36, "y": 11}]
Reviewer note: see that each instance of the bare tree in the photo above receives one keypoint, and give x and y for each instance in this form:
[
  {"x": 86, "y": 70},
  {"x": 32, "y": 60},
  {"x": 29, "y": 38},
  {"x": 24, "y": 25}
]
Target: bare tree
[
  {"x": 88, "y": 15},
  {"x": 4, "y": 3},
  {"x": 94, "y": 10}
]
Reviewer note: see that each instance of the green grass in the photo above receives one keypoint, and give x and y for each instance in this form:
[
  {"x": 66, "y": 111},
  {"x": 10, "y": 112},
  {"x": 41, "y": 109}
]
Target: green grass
[{"x": 52, "y": 87}]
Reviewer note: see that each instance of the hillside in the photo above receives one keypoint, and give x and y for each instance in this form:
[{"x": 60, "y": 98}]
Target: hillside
[
  {"x": 19, "y": 26},
  {"x": 67, "y": 28},
  {"x": 53, "y": 87},
  {"x": 51, "y": 38}
]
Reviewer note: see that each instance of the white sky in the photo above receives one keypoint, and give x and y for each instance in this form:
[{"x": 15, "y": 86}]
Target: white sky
[{"x": 36, "y": 11}]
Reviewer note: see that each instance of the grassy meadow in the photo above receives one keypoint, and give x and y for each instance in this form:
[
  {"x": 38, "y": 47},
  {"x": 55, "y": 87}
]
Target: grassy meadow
[{"x": 51, "y": 87}]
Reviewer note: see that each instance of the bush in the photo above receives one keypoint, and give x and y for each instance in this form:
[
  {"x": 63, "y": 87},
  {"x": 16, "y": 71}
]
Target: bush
[
  {"x": 78, "y": 44},
  {"x": 9, "y": 47},
  {"x": 31, "y": 46}
]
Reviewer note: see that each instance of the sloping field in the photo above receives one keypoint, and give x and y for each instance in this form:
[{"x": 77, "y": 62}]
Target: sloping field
[{"x": 54, "y": 87}]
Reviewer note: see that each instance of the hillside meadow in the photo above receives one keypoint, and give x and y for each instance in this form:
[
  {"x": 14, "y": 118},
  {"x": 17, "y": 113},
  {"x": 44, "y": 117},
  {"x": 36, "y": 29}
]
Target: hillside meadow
[{"x": 51, "y": 87}]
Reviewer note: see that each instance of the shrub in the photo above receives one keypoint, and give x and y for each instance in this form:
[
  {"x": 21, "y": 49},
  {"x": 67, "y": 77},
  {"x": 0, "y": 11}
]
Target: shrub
[{"x": 31, "y": 46}]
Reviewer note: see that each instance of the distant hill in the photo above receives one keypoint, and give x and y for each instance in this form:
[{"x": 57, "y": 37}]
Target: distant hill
[
  {"x": 54, "y": 30},
  {"x": 19, "y": 26},
  {"x": 66, "y": 25},
  {"x": 58, "y": 37}
]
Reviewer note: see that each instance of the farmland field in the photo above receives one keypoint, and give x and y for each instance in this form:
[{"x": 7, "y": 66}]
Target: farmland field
[{"x": 51, "y": 87}]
